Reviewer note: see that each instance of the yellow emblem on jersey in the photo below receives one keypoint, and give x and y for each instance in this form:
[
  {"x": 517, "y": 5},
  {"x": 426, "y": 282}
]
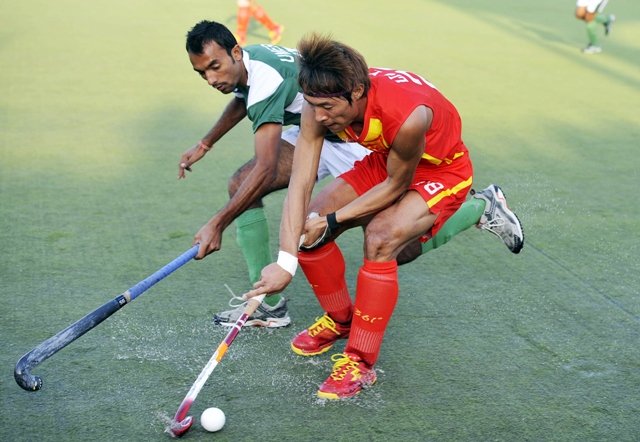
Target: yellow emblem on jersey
[{"x": 374, "y": 139}]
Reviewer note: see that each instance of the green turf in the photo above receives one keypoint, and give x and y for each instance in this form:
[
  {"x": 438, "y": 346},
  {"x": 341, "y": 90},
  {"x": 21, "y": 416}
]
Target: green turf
[{"x": 98, "y": 102}]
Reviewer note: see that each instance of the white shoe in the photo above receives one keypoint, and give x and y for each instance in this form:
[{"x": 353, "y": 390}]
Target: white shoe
[
  {"x": 499, "y": 219},
  {"x": 264, "y": 316},
  {"x": 609, "y": 24},
  {"x": 592, "y": 49}
]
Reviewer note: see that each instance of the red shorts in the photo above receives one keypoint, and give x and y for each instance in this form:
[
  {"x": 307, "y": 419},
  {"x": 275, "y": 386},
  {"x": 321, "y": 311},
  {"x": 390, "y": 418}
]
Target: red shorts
[{"x": 443, "y": 188}]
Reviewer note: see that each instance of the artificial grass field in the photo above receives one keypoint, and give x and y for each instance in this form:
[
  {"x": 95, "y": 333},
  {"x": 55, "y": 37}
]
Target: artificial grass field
[{"x": 99, "y": 101}]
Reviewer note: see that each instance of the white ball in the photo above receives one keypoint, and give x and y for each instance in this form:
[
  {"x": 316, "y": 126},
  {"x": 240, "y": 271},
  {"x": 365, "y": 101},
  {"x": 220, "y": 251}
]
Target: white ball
[{"x": 212, "y": 419}]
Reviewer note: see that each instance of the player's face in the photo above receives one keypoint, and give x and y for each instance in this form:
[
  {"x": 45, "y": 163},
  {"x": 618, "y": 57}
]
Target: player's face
[
  {"x": 333, "y": 113},
  {"x": 222, "y": 71}
]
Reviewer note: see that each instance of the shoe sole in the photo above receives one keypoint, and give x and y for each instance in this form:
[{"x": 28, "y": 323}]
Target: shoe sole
[
  {"x": 520, "y": 244},
  {"x": 301, "y": 352},
  {"x": 266, "y": 323}
]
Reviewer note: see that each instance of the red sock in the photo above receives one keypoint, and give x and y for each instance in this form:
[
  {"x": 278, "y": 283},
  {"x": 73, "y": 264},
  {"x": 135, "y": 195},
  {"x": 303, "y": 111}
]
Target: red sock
[
  {"x": 324, "y": 269},
  {"x": 376, "y": 296}
]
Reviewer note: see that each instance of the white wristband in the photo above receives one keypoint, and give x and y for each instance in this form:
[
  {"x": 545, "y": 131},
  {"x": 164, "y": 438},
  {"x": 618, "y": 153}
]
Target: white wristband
[{"x": 288, "y": 262}]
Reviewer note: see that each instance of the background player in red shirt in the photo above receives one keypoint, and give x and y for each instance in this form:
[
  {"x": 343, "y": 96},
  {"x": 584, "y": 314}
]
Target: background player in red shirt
[{"x": 417, "y": 176}]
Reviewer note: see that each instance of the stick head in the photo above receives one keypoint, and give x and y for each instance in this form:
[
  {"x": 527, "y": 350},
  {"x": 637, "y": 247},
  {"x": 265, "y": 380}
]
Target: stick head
[
  {"x": 25, "y": 379},
  {"x": 178, "y": 428}
]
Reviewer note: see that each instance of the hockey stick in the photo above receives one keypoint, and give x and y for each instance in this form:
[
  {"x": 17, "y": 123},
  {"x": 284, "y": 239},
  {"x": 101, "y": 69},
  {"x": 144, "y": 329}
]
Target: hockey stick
[
  {"x": 181, "y": 422},
  {"x": 56, "y": 343}
]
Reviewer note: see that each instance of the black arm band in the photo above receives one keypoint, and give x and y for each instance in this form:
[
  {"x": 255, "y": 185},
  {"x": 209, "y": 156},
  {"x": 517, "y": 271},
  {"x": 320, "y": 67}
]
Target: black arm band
[{"x": 332, "y": 223}]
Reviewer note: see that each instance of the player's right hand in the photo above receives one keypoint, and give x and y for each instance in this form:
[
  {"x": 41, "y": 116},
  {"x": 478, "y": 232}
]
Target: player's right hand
[
  {"x": 189, "y": 158},
  {"x": 273, "y": 279},
  {"x": 209, "y": 237}
]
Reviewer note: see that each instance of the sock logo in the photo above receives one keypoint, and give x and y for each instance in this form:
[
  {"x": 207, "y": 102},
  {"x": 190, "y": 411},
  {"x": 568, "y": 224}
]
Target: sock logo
[{"x": 367, "y": 318}]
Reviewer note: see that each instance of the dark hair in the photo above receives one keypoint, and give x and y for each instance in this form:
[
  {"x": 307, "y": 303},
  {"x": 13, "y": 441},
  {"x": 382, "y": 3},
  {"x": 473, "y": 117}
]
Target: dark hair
[
  {"x": 206, "y": 32},
  {"x": 330, "y": 69}
]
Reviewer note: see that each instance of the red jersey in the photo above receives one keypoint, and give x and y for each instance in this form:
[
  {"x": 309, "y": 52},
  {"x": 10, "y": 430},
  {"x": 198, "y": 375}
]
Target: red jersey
[{"x": 391, "y": 99}]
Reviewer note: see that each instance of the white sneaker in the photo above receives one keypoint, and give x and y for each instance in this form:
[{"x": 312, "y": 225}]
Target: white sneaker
[
  {"x": 499, "y": 220},
  {"x": 592, "y": 49},
  {"x": 264, "y": 316}
]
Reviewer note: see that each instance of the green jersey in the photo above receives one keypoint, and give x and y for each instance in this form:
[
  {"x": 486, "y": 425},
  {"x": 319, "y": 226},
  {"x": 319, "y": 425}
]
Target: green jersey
[{"x": 272, "y": 94}]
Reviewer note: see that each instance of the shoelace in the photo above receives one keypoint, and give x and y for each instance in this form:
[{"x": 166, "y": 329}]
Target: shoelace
[
  {"x": 494, "y": 223},
  {"x": 343, "y": 366},
  {"x": 235, "y": 301},
  {"x": 321, "y": 324}
]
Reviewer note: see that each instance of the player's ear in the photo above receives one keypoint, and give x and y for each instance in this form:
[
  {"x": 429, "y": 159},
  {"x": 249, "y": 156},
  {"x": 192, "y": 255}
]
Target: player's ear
[
  {"x": 236, "y": 53},
  {"x": 357, "y": 93}
]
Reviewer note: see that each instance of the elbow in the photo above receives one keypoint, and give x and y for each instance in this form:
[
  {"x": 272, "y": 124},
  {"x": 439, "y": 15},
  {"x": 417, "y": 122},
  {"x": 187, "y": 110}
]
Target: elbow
[
  {"x": 397, "y": 189},
  {"x": 266, "y": 172},
  {"x": 260, "y": 175}
]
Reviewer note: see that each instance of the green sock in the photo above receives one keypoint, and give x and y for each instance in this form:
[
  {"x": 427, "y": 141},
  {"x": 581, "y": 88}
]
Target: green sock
[
  {"x": 592, "y": 32},
  {"x": 252, "y": 235},
  {"x": 602, "y": 18},
  {"x": 466, "y": 216}
]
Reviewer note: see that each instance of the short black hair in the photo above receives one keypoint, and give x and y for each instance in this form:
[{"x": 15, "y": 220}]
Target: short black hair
[{"x": 207, "y": 31}]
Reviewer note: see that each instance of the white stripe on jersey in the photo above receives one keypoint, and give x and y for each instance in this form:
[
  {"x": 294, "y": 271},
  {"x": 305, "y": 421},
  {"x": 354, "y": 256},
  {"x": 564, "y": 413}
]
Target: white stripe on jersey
[
  {"x": 296, "y": 105},
  {"x": 267, "y": 80}
]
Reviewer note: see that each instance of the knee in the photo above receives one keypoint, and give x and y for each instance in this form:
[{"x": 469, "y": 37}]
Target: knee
[
  {"x": 585, "y": 15},
  {"x": 234, "y": 183},
  {"x": 380, "y": 244}
]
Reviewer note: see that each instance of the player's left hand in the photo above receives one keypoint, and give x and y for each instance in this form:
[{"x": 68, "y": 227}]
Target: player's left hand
[
  {"x": 316, "y": 231},
  {"x": 190, "y": 157}
]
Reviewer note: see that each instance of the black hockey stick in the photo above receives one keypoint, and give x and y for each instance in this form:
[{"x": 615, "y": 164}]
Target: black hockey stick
[{"x": 56, "y": 343}]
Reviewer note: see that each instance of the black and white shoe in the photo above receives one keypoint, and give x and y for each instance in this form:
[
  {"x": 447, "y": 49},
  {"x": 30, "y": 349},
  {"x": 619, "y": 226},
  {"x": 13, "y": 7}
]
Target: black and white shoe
[
  {"x": 499, "y": 219},
  {"x": 264, "y": 316},
  {"x": 609, "y": 24}
]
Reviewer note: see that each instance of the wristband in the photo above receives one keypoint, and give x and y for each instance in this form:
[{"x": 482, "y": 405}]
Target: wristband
[
  {"x": 203, "y": 146},
  {"x": 288, "y": 262},
  {"x": 333, "y": 224}
]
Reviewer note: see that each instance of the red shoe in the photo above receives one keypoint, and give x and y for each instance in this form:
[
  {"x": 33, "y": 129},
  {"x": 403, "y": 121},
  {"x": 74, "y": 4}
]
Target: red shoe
[
  {"x": 350, "y": 375},
  {"x": 319, "y": 337}
]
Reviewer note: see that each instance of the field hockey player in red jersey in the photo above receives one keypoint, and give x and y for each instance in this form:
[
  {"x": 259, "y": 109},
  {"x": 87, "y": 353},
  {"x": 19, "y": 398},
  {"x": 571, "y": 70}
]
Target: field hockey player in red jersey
[{"x": 418, "y": 174}]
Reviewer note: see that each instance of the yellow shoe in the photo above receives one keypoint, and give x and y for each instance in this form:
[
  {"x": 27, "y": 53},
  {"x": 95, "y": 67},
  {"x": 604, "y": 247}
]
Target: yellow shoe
[{"x": 276, "y": 34}]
